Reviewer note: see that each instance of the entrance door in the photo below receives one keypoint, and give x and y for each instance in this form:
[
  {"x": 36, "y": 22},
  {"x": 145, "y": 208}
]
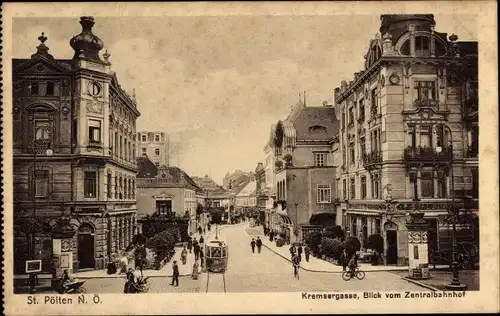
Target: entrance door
[
  {"x": 85, "y": 246},
  {"x": 392, "y": 246}
]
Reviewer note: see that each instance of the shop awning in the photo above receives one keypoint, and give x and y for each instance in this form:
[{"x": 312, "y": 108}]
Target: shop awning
[
  {"x": 354, "y": 212},
  {"x": 286, "y": 219}
]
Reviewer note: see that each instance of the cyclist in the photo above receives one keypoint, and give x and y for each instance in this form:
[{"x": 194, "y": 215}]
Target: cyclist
[
  {"x": 296, "y": 266},
  {"x": 353, "y": 264}
]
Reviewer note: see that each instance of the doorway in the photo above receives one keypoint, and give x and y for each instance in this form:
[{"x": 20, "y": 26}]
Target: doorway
[
  {"x": 85, "y": 244},
  {"x": 392, "y": 246}
]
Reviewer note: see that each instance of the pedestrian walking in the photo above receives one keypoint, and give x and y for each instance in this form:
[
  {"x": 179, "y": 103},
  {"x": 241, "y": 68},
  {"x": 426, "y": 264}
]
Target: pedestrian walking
[
  {"x": 292, "y": 251},
  {"x": 271, "y": 236},
  {"x": 204, "y": 232},
  {"x": 296, "y": 265},
  {"x": 202, "y": 258},
  {"x": 259, "y": 244},
  {"x": 202, "y": 240},
  {"x": 190, "y": 245},
  {"x": 252, "y": 244},
  {"x": 307, "y": 252},
  {"x": 175, "y": 273},
  {"x": 199, "y": 230},
  {"x": 196, "y": 249},
  {"x": 343, "y": 259},
  {"x": 299, "y": 252},
  {"x": 194, "y": 273},
  {"x": 184, "y": 255}
]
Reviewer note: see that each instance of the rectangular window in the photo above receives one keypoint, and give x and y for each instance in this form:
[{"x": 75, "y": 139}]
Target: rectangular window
[
  {"x": 441, "y": 187},
  {"x": 374, "y": 106},
  {"x": 361, "y": 116},
  {"x": 41, "y": 183},
  {"x": 427, "y": 184},
  {"x": 143, "y": 150},
  {"x": 425, "y": 137},
  {"x": 43, "y": 129},
  {"x": 50, "y": 89},
  {"x": 353, "y": 188},
  {"x": 352, "y": 156},
  {"x": 157, "y": 152},
  {"x": 362, "y": 146},
  {"x": 109, "y": 188},
  {"x": 415, "y": 252},
  {"x": 33, "y": 88},
  {"x": 426, "y": 90},
  {"x": 343, "y": 119},
  {"x": 90, "y": 184},
  {"x": 377, "y": 226},
  {"x": 324, "y": 193},
  {"x": 157, "y": 138},
  {"x": 144, "y": 138},
  {"x": 375, "y": 186},
  {"x": 351, "y": 116},
  {"x": 320, "y": 159},
  {"x": 363, "y": 187},
  {"x": 344, "y": 189},
  {"x": 94, "y": 131}
]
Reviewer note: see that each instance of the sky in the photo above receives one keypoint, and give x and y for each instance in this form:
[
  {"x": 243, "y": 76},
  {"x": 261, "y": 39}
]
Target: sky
[{"x": 216, "y": 84}]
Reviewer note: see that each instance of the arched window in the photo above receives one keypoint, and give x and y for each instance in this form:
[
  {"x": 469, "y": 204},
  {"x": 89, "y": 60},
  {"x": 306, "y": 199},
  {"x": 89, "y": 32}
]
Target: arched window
[
  {"x": 422, "y": 46},
  {"x": 405, "y": 48},
  {"x": 85, "y": 228}
]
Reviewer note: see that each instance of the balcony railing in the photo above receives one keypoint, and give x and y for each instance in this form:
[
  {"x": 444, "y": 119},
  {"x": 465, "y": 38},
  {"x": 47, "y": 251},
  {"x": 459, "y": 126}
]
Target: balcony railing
[
  {"x": 372, "y": 158},
  {"x": 426, "y": 153}
]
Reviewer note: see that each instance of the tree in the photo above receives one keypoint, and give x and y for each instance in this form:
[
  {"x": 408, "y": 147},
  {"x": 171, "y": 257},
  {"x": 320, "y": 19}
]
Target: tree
[
  {"x": 313, "y": 239},
  {"x": 376, "y": 242},
  {"x": 352, "y": 244},
  {"x": 339, "y": 232}
]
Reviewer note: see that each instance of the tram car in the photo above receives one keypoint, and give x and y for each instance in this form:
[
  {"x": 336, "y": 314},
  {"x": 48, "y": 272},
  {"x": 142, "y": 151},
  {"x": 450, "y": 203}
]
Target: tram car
[{"x": 216, "y": 255}]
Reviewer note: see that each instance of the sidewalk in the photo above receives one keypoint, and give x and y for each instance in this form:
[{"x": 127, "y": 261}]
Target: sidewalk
[
  {"x": 165, "y": 271},
  {"x": 316, "y": 264}
]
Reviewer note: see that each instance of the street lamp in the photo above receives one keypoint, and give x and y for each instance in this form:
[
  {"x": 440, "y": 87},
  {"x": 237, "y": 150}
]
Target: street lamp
[
  {"x": 48, "y": 152},
  {"x": 455, "y": 284}
]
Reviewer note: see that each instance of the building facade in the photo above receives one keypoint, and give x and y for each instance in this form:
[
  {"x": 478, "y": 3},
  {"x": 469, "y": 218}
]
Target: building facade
[
  {"x": 409, "y": 134},
  {"x": 166, "y": 191},
  {"x": 154, "y": 145},
  {"x": 74, "y": 154},
  {"x": 303, "y": 171},
  {"x": 260, "y": 178}
]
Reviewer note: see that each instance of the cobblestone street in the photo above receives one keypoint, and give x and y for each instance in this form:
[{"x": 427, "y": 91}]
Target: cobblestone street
[{"x": 259, "y": 272}]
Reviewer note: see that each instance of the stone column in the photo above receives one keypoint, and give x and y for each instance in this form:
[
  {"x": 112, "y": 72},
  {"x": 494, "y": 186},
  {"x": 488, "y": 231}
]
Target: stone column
[
  {"x": 433, "y": 43},
  {"x": 62, "y": 249},
  {"x": 417, "y": 247},
  {"x": 411, "y": 28}
]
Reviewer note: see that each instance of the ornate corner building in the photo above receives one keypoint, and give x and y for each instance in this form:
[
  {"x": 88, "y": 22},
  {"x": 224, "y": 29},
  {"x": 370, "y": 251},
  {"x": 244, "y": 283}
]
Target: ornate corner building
[
  {"x": 409, "y": 135},
  {"x": 74, "y": 136}
]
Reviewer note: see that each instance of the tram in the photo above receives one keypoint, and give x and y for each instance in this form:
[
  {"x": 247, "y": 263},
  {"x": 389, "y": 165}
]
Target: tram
[{"x": 216, "y": 255}]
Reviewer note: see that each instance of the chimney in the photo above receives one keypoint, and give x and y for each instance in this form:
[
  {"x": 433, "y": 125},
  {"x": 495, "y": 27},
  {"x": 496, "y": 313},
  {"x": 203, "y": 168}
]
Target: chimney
[{"x": 336, "y": 93}]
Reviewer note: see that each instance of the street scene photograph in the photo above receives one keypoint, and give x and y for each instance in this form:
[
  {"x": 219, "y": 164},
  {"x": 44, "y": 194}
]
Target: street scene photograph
[{"x": 245, "y": 154}]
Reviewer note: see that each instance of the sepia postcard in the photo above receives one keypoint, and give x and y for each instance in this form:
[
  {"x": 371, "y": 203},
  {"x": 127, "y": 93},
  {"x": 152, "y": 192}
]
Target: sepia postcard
[{"x": 250, "y": 158}]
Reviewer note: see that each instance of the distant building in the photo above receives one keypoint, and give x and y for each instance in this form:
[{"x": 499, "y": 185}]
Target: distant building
[
  {"x": 215, "y": 195},
  {"x": 76, "y": 110},
  {"x": 246, "y": 198},
  {"x": 301, "y": 183},
  {"x": 260, "y": 179},
  {"x": 154, "y": 145},
  {"x": 235, "y": 177},
  {"x": 166, "y": 190}
]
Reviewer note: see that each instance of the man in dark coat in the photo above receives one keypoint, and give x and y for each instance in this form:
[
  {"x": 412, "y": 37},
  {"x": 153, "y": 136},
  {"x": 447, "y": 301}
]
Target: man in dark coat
[
  {"x": 196, "y": 249},
  {"x": 292, "y": 251},
  {"x": 252, "y": 244},
  {"x": 190, "y": 245},
  {"x": 271, "y": 235},
  {"x": 259, "y": 244},
  {"x": 307, "y": 252},
  {"x": 202, "y": 240},
  {"x": 199, "y": 230},
  {"x": 299, "y": 252},
  {"x": 175, "y": 274}
]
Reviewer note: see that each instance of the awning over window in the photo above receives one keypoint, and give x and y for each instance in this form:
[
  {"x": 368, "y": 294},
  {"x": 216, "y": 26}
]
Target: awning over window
[
  {"x": 353, "y": 212},
  {"x": 285, "y": 219}
]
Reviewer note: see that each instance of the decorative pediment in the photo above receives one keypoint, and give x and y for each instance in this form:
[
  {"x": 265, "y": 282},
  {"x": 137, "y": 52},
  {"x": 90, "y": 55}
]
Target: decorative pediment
[
  {"x": 424, "y": 113},
  {"x": 163, "y": 196},
  {"x": 40, "y": 107},
  {"x": 39, "y": 65}
]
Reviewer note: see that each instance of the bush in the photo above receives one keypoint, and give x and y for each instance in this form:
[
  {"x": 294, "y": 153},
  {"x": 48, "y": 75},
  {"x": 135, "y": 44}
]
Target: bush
[
  {"x": 376, "y": 242},
  {"x": 163, "y": 244},
  {"x": 352, "y": 244},
  {"x": 313, "y": 240},
  {"x": 339, "y": 232},
  {"x": 139, "y": 239},
  {"x": 332, "y": 247}
]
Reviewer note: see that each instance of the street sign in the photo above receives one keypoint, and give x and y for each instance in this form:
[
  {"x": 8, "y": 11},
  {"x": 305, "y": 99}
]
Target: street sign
[{"x": 33, "y": 266}]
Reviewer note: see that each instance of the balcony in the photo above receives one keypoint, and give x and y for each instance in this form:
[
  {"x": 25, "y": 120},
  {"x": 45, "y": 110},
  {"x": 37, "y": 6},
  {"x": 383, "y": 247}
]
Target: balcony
[
  {"x": 419, "y": 154},
  {"x": 371, "y": 159},
  {"x": 425, "y": 103}
]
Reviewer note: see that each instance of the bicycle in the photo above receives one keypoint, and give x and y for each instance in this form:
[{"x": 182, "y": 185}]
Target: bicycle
[{"x": 347, "y": 275}]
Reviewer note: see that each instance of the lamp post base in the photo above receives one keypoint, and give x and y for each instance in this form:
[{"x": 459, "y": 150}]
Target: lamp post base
[{"x": 456, "y": 287}]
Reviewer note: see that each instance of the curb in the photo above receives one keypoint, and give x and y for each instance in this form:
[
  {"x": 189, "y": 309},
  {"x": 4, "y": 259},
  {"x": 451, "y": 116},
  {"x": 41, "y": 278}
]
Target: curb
[
  {"x": 112, "y": 277},
  {"x": 323, "y": 271},
  {"x": 429, "y": 287}
]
